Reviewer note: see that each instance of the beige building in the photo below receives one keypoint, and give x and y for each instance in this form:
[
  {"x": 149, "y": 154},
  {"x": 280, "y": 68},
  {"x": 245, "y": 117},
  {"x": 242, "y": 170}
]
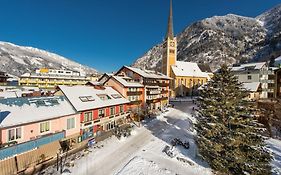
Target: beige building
[{"x": 50, "y": 78}]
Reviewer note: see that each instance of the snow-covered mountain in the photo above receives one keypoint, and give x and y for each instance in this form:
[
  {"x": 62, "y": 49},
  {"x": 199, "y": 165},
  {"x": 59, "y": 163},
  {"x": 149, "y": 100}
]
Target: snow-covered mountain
[
  {"x": 17, "y": 60},
  {"x": 230, "y": 38}
]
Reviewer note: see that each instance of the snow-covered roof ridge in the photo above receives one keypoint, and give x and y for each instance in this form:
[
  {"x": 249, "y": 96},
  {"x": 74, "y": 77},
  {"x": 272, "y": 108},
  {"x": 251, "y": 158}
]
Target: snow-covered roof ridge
[
  {"x": 251, "y": 86},
  {"x": 16, "y": 111},
  {"x": 125, "y": 83},
  {"x": 188, "y": 69},
  {"x": 87, "y": 97},
  {"x": 256, "y": 66},
  {"x": 148, "y": 73}
]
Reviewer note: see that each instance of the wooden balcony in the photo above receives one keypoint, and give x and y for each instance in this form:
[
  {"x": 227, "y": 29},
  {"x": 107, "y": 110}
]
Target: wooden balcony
[
  {"x": 163, "y": 84},
  {"x": 130, "y": 93},
  {"x": 138, "y": 102}
]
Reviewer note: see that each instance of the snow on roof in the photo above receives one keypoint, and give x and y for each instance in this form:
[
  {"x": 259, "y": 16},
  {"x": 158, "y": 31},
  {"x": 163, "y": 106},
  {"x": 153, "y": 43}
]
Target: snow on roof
[
  {"x": 188, "y": 69},
  {"x": 251, "y": 66},
  {"x": 125, "y": 83},
  {"x": 253, "y": 86},
  {"x": 148, "y": 73},
  {"x": 86, "y": 97},
  {"x": 16, "y": 111},
  {"x": 8, "y": 94}
]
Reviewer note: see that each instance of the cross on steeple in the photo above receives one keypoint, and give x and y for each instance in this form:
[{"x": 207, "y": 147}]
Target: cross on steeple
[{"x": 170, "y": 31}]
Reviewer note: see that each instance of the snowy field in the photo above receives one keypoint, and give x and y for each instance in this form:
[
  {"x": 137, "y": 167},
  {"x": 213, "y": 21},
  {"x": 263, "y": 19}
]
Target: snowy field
[
  {"x": 141, "y": 153},
  {"x": 275, "y": 147}
]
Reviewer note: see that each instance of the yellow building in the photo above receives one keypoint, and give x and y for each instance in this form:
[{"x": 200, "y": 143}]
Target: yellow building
[
  {"x": 50, "y": 78},
  {"x": 187, "y": 76}
]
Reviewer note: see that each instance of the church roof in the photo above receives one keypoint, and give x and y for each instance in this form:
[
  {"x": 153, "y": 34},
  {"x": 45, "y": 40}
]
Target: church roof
[{"x": 188, "y": 69}]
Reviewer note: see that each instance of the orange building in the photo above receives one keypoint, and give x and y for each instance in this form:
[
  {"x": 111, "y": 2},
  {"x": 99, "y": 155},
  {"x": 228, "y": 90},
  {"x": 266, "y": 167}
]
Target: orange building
[
  {"x": 131, "y": 90},
  {"x": 155, "y": 86}
]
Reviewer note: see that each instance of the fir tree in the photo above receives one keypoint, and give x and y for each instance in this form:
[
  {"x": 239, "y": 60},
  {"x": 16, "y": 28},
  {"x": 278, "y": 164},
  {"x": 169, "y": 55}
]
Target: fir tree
[{"x": 228, "y": 134}]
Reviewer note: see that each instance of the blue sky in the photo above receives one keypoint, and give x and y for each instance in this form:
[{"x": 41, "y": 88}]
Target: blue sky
[{"x": 106, "y": 34}]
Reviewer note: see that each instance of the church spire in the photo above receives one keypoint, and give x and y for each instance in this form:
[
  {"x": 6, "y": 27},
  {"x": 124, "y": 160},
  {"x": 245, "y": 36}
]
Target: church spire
[{"x": 170, "y": 31}]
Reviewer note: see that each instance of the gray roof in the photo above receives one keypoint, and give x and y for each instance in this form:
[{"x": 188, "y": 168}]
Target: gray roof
[
  {"x": 16, "y": 111},
  {"x": 75, "y": 93}
]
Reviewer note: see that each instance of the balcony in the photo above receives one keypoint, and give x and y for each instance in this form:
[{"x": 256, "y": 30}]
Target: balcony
[
  {"x": 163, "y": 84},
  {"x": 164, "y": 91},
  {"x": 153, "y": 92},
  {"x": 138, "y": 102},
  {"x": 130, "y": 93}
]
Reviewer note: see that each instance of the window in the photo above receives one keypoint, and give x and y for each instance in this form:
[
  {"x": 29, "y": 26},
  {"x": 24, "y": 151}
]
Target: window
[
  {"x": 87, "y": 98},
  {"x": 101, "y": 113},
  {"x": 103, "y": 96},
  {"x": 172, "y": 51},
  {"x": 44, "y": 127},
  {"x": 121, "y": 108},
  {"x": 70, "y": 123},
  {"x": 14, "y": 134},
  {"x": 112, "y": 111},
  {"x": 88, "y": 116},
  {"x": 249, "y": 77},
  {"x": 116, "y": 96}
]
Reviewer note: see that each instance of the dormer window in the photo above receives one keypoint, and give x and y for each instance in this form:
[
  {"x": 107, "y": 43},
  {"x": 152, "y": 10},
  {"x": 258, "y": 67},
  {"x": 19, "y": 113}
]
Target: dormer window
[
  {"x": 104, "y": 96},
  {"x": 87, "y": 98}
]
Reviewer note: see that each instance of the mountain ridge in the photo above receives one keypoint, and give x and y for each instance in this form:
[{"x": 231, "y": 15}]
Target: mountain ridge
[
  {"x": 17, "y": 60},
  {"x": 230, "y": 38}
]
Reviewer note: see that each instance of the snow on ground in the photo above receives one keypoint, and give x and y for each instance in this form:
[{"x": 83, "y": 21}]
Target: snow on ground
[
  {"x": 141, "y": 153},
  {"x": 275, "y": 147}
]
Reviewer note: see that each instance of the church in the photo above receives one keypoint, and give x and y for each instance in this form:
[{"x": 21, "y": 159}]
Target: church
[{"x": 187, "y": 77}]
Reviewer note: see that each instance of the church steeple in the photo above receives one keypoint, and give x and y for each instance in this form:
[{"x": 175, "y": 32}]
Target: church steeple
[{"x": 170, "y": 31}]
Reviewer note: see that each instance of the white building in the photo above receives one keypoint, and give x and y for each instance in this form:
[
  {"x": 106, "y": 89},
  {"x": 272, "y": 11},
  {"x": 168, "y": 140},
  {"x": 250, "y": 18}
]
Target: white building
[{"x": 257, "y": 72}]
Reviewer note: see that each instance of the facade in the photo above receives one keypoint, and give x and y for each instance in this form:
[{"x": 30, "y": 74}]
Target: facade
[
  {"x": 131, "y": 90},
  {"x": 156, "y": 86},
  {"x": 257, "y": 72},
  {"x": 28, "y": 119},
  {"x": 101, "y": 108},
  {"x": 50, "y": 78},
  {"x": 3, "y": 78},
  {"x": 186, "y": 76}
]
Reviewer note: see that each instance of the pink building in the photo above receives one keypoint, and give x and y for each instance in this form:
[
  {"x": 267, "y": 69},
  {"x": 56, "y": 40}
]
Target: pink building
[{"x": 25, "y": 119}]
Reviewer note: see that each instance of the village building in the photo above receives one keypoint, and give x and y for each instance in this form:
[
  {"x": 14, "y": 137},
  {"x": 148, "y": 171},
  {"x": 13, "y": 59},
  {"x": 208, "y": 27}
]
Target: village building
[
  {"x": 3, "y": 78},
  {"x": 131, "y": 90},
  {"x": 155, "y": 87},
  {"x": 101, "y": 108},
  {"x": 33, "y": 122},
  {"x": 257, "y": 72},
  {"x": 45, "y": 78},
  {"x": 186, "y": 76}
]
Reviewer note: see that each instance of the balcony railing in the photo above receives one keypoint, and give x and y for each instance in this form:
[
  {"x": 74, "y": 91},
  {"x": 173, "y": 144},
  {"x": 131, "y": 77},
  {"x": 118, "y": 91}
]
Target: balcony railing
[
  {"x": 129, "y": 93},
  {"x": 138, "y": 102},
  {"x": 153, "y": 92},
  {"x": 163, "y": 84}
]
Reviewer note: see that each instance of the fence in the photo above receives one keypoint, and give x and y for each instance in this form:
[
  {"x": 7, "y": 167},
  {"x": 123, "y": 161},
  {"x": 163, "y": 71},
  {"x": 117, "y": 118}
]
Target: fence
[{"x": 30, "y": 145}]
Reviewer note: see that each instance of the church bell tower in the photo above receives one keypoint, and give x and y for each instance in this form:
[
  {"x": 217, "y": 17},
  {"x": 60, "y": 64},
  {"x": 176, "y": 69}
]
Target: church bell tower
[{"x": 169, "y": 56}]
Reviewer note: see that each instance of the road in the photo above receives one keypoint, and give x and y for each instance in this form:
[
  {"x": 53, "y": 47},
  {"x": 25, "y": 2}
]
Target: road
[{"x": 116, "y": 154}]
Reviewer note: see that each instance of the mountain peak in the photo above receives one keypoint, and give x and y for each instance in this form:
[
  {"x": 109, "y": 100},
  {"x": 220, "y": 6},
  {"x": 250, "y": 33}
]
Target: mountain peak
[{"x": 230, "y": 38}]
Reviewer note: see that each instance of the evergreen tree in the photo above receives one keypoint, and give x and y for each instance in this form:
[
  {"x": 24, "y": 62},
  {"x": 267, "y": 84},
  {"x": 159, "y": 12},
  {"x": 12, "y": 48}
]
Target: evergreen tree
[{"x": 228, "y": 134}]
